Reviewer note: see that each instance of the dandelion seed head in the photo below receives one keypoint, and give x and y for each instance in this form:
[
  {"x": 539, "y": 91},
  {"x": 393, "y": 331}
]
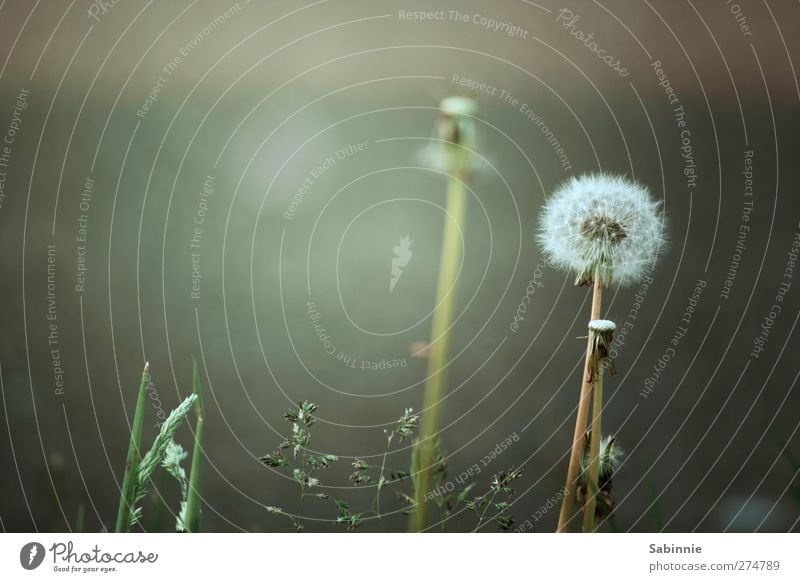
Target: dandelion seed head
[{"x": 605, "y": 223}]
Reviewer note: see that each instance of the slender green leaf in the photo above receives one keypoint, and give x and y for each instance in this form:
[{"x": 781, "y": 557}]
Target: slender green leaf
[
  {"x": 192, "y": 520},
  {"x": 126, "y": 501}
]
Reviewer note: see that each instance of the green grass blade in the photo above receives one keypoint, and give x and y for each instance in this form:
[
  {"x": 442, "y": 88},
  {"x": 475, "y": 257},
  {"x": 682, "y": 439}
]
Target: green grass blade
[
  {"x": 192, "y": 521},
  {"x": 80, "y": 517},
  {"x": 126, "y": 500}
]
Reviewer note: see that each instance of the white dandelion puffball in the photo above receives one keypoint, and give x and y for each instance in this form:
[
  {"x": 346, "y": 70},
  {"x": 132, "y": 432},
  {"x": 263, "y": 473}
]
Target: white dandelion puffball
[{"x": 602, "y": 224}]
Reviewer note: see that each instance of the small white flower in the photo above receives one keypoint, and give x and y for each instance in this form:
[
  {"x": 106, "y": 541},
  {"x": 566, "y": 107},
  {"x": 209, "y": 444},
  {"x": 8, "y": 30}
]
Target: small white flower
[{"x": 604, "y": 223}]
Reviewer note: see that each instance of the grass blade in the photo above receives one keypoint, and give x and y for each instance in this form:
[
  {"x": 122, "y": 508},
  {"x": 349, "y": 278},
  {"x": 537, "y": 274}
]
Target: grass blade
[
  {"x": 192, "y": 521},
  {"x": 126, "y": 501},
  {"x": 80, "y": 518}
]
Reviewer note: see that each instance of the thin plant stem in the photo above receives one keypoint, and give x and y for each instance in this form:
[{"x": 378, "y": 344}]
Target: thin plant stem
[
  {"x": 594, "y": 455},
  {"x": 381, "y": 483},
  {"x": 80, "y": 518},
  {"x": 574, "y": 468},
  {"x": 454, "y": 228},
  {"x": 483, "y": 513},
  {"x": 129, "y": 479},
  {"x": 302, "y": 496},
  {"x": 192, "y": 521}
]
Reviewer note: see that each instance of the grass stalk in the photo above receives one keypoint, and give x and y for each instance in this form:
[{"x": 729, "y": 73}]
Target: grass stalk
[
  {"x": 455, "y": 225},
  {"x": 129, "y": 480},
  {"x": 594, "y": 455},
  {"x": 574, "y": 468},
  {"x": 192, "y": 521},
  {"x": 80, "y": 518}
]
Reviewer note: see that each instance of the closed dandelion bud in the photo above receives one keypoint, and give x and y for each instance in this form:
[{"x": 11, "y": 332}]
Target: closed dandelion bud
[
  {"x": 456, "y": 136},
  {"x": 611, "y": 455},
  {"x": 601, "y": 334}
]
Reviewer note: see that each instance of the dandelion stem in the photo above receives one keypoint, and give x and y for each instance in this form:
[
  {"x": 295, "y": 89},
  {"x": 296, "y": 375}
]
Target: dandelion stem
[
  {"x": 592, "y": 487},
  {"x": 574, "y": 469},
  {"x": 454, "y": 228},
  {"x": 129, "y": 480}
]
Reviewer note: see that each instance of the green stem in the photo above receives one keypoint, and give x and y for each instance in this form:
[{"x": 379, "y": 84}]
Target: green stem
[
  {"x": 483, "y": 513},
  {"x": 302, "y": 495},
  {"x": 192, "y": 523},
  {"x": 79, "y": 520},
  {"x": 380, "y": 482},
  {"x": 450, "y": 262},
  {"x": 126, "y": 500},
  {"x": 592, "y": 487}
]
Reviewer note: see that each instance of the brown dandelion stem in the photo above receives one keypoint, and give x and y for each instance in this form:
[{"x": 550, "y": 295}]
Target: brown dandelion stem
[
  {"x": 574, "y": 468},
  {"x": 436, "y": 382},
  {"x": 592, "y": 486}
]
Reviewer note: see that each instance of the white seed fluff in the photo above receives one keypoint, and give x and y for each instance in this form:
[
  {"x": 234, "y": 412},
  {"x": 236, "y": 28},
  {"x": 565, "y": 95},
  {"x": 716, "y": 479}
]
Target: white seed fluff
[
  {"x": 602, "y": 325},
  {"x": 602, "y": 220}
]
